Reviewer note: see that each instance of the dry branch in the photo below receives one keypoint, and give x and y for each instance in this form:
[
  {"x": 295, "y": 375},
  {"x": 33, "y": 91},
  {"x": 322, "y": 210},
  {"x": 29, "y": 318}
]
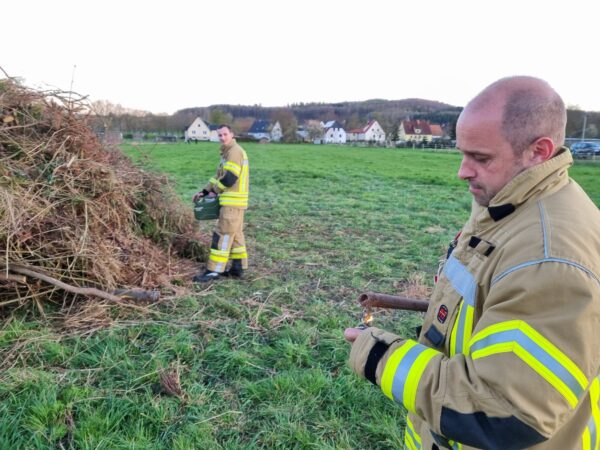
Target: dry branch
[{"x": 74, "y": 289}]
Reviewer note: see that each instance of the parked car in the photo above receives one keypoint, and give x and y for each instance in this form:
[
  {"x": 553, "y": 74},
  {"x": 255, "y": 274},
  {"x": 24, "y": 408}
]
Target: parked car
[{"x": 585, "y": 148}]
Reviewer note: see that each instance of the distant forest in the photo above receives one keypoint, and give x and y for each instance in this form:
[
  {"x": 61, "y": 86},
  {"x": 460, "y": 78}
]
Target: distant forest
[{"x": 351, "y": 115}]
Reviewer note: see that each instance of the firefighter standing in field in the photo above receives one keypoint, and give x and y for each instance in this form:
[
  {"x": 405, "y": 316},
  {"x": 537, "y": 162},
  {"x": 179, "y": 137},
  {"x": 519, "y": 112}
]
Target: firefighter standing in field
[
  {"x": 231, "y": 184},
  {"x": 508, "y": 356}
]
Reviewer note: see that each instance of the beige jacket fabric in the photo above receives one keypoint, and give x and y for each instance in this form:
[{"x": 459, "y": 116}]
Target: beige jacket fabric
[
  {"x": 509, "y": 353},
  {"x": 232, "y": 180}
]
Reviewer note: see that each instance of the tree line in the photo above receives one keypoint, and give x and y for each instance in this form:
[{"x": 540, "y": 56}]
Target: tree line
[{"x": 389, "y": 114}]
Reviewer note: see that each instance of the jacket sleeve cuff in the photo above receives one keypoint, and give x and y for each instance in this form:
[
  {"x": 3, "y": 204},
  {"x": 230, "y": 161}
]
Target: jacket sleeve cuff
[{"x": 369, "y": 353}]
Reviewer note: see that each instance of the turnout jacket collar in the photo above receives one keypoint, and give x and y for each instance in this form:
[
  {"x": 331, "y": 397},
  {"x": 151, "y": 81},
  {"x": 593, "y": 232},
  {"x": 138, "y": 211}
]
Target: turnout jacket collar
[
  {"x": 225, "y": 148},
  {"x": 536, "y": 182}
]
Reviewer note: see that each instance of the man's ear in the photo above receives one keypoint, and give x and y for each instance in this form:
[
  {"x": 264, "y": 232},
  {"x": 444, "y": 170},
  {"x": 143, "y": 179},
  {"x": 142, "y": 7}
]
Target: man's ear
[{"x": 541, "y": 150}]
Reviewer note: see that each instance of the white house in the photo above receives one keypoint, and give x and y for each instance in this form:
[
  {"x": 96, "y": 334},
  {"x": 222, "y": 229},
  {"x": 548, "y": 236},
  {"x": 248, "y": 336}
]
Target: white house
[
  {"x": 197, "y": 131},
  {"x": 213, "y": 135},
  {"x": 371, "y": 132},
  {"x": 333, "y": 133},
  {"x": 265, "y": 130}
]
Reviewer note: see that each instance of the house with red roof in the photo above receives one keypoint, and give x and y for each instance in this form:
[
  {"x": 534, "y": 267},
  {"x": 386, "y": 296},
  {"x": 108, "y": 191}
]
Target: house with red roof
[
  {"x": 371, "y": 132},
  {"x": 414, "y": 131}
]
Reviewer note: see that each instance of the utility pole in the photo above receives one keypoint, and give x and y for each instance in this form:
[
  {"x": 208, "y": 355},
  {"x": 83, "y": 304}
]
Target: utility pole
[{"x": 584, "y": 126}]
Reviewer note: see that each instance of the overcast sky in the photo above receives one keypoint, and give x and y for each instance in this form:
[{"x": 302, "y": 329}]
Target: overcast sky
[{"x": 168, "y": 55}]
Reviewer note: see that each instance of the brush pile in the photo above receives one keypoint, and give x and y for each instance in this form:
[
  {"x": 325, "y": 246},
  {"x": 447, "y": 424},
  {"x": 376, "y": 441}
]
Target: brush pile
[{"x": 75, "y": 213}]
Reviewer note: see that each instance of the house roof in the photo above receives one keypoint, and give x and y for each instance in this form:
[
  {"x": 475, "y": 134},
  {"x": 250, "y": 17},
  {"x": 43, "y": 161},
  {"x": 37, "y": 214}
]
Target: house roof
[
  {"x": 365, "y": 128},
  {"x": 411, "y": 125},
  {"x": 436, "y": 130},
  {"x": 333, "y": 124},
  {"x": 260, "y": 126}
]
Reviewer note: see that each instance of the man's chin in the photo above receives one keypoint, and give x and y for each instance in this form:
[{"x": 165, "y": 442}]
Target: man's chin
[{"x": 481, "y": 200}]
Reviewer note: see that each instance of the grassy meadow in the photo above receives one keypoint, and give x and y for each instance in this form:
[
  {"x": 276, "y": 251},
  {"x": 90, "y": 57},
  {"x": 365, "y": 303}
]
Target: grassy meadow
[{"x": 261, "y": 362}]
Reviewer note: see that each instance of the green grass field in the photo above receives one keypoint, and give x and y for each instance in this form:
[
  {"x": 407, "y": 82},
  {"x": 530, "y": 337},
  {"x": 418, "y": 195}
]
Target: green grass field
[{"x": 262, "y": 362}]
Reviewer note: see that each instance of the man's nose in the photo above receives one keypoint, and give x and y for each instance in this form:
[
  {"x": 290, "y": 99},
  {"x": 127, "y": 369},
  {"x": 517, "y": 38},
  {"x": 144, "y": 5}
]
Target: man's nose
[{"x": 465, "y": 171}]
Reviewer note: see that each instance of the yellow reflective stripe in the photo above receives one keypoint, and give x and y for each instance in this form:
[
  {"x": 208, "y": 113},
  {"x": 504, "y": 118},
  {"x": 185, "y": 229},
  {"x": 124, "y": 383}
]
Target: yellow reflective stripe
[
  {"x": 462, "y": 329},
  {"x": 244, "y": 177},
  {"x": 234, "y": 203},
  {"x": 412, "y": 440},
  {"x": 415, "y": 376},
  {"x": 468, "y": 328},
  {"x": 387, "y": 378},
  {"x": 455, "y": 445},
  {"x": 591, "y": 436},
  {"x": 239, "y": 253},
  {"x": 453, "y": 349},
  {"x": 517, "y": 337},
  {"x": 217, "y": 183},
  {"x": 403, "y": 371},
  {"x": 233, "y": 168},
  {"x": 218, "y": 255},
  {"x": 228, "y": 194}
]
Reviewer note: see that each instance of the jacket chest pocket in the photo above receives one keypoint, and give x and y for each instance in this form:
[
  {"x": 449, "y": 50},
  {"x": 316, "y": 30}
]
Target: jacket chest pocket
[{"x": 452, "y": 323}]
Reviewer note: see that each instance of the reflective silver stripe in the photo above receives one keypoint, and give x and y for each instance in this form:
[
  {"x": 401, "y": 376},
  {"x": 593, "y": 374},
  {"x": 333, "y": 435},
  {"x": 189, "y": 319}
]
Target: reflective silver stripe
[
  {"x": 545, "y": 237},
  {"x": 461, "y": 279},
  {"x": 517, "y": 336},
  {"x": 544, "y": 260},
  {"x": 225, "y": 244}
]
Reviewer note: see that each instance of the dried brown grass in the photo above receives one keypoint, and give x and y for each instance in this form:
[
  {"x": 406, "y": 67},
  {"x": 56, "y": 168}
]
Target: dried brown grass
[{"x": 80, "y": 211}]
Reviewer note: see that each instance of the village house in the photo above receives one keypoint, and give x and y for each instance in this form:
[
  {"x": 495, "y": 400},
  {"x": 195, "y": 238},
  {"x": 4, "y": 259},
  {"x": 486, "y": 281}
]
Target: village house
[
  {"x": 419, "y": 131},
  {"x": 197, "y": 131},
  {"x": 214, "y": 135},
  {"x": 310, "y": 131},
  {"x": 263, "y": 130},
  {"x": 371, "y": 132},
  {"x": 436, "y": 131},
  {"x": 333, "y": 133}
]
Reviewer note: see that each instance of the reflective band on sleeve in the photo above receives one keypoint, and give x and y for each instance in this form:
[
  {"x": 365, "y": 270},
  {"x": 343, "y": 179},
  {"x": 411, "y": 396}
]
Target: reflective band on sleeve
[
  {"x": 232, "y": 167},
  {"x": 403, "y": 371},
  {"x": 517, "y": 337},
  {"x": 217, "y": 183}
]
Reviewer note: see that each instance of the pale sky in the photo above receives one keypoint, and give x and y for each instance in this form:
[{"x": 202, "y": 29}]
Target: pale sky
[{"x": 161, "y": 56}]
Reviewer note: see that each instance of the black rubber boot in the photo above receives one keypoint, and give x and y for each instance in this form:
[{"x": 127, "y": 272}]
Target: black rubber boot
[
  {"x": 206, "y": 277},
  {"x": 235, "y": 271}
]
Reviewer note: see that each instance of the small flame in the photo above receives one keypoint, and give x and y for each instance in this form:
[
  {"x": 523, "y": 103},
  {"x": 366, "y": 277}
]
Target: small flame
[{"x": 367, "y": 318}]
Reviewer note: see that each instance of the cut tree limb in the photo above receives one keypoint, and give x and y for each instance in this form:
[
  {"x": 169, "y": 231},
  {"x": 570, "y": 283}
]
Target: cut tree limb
[{"x": 73, "y": 289}]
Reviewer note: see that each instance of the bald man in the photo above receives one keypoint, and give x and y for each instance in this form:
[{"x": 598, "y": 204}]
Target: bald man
[{"x": 508, "y": 356}]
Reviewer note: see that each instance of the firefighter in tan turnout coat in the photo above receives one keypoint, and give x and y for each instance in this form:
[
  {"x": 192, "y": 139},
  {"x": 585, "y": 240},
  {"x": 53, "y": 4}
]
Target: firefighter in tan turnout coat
[
  {"x": 231, "y": 184},
  {"x": 508, "y": 356}
]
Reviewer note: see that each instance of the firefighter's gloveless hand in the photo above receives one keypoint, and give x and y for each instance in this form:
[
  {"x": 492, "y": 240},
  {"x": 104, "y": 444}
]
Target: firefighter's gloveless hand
[
  {"x": 350, "y": 334},
  {"x": 197, "y": 196}
]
